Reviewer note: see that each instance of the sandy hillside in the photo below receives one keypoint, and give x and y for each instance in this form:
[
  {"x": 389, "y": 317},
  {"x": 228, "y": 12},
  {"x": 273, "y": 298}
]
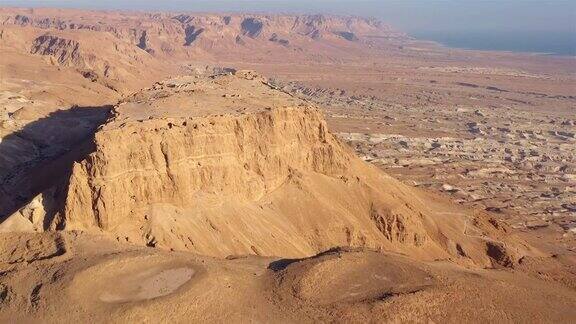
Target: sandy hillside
[{"x": 71, "y": 276}]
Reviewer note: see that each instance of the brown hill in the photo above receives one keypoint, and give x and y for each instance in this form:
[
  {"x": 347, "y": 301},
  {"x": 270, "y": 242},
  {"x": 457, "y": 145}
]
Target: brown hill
[
  {"x": 228, "y": 165},
  {"x": 163, "y": 34},
  {"x": 127, "y": 51}
]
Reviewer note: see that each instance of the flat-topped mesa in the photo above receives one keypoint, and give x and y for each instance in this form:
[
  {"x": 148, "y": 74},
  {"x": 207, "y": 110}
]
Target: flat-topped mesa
[
  {"x": 217, "y": 140},
  {"x": 229, "y": 165}
]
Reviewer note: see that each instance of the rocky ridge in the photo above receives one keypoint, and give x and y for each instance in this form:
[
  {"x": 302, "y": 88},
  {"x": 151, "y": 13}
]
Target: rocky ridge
[
  {"x": 229, "y": 165},
  {"x": 126, "y": 51},
  {"x": 181, "y": 35}
]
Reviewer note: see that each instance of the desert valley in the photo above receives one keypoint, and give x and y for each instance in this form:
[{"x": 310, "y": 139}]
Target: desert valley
[{"x": 185, "y": 167}]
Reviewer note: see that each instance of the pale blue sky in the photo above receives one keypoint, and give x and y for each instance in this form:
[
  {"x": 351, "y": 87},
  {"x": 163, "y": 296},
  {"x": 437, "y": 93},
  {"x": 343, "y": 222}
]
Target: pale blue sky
[{"x": 409, "y": 15}]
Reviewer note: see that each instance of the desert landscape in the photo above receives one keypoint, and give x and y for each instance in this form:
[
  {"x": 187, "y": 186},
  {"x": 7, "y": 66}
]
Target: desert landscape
[{"x": 176, "y": 166}]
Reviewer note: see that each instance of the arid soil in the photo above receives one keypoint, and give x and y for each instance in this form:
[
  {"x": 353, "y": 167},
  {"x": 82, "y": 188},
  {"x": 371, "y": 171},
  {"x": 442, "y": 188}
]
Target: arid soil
[
  {"x": 513, "y": 157},
  {"x": 95, "y": 279},
  {"x": 210, "y": 167}
]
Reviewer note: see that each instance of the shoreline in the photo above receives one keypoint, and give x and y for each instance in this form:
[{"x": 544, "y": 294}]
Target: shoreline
[{"x": 452, "y": 45}]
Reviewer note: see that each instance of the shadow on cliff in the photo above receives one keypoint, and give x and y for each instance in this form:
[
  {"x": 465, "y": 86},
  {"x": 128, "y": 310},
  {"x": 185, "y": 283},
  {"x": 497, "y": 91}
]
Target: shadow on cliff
[{"x": 39, "y": 157}]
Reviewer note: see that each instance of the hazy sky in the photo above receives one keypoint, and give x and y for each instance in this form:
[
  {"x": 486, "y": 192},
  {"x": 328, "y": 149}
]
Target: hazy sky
[{"x": 409, "y": 15}]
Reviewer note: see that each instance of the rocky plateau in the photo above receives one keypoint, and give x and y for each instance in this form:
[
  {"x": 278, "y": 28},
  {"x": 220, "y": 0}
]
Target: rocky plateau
[{"x": 171, "y": 167}]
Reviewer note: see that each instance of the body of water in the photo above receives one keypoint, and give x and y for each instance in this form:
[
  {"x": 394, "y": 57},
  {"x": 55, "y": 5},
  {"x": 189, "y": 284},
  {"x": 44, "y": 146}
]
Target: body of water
[{"x": 555, "y": 43}]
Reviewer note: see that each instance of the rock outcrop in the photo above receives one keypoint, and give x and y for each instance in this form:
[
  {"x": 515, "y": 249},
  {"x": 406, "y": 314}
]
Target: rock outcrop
[
  {"x": 128, "y": 51},
  {"x": 65, "y": 51},
  {"x": 99, "y": 57},
  {"x": 179, "y": 36},
  {"x": 236, "y": 167}
]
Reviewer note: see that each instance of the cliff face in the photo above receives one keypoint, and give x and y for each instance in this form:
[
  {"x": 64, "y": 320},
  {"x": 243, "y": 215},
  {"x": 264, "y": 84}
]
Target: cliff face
[
  {"x": 99, "y": 57},
  {"x": 256, "y": 174},
  {"x": 127, "y": 51},
  {"x": 172, "y": 161},
  {"x": 66, "y": 51},
  {"x": 131, "y": 25},
  {"x": 182, "y": 35}
]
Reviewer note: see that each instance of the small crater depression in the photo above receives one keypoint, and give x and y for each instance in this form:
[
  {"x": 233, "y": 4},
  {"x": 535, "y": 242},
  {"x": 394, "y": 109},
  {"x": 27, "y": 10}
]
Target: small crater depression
[
  {"x": 133, "y": 280},
  {"x": 145, "y": 285}
]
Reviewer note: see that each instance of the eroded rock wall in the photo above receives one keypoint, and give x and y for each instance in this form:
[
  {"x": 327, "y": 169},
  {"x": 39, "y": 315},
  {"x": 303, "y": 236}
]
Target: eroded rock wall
[{"x": 171, "y": 161}]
